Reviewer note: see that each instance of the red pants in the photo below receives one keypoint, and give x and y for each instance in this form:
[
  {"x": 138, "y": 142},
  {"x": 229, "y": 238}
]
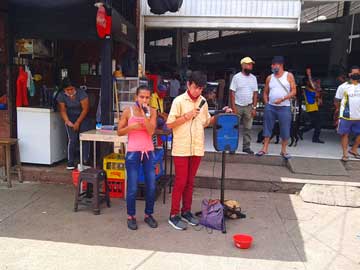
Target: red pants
[{"x": 185, "y": 171}]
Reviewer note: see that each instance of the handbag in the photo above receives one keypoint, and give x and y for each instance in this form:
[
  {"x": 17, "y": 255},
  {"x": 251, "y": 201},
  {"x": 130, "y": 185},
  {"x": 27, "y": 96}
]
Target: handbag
[
  {"x": 212, "y": 214},
  {"x": 233, "y": 210}
]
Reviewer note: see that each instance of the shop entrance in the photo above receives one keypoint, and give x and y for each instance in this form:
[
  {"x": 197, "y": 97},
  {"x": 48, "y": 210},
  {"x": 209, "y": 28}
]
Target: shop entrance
[{"x": 218, "y": 52}]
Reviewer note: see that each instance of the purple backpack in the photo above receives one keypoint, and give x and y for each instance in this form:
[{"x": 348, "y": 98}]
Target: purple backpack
[{"x": 212, "y": 214}]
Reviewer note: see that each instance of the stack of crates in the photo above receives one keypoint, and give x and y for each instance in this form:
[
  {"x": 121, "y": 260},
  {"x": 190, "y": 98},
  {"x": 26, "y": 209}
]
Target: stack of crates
[
  {"x": 75, "y": 177},
  {"x": 114, "y": 166}
]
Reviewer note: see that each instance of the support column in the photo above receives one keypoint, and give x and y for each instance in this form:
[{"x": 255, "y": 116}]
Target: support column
[
  {"x": 141, "y": 44},
  {"x": 106, "y": 83},
  {"x": 182, "y": 46},
  {"x": 338, "y": 61}
]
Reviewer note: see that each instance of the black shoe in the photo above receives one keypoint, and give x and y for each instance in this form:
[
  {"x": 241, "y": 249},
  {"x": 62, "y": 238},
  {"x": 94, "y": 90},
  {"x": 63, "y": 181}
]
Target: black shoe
[
  {"x": 177, "y": 223},
  {"x": 248, "y": 151},
  {"x": 70, "y": 165},
  {"x": 132, "y": 225},
  {"x": 318, "y": 141},
  {"x": 190, "y": 218},
  {"x": 151, "y": 221}
]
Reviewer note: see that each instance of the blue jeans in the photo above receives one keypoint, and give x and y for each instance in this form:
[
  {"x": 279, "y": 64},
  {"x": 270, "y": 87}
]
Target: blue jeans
[
  {"x": 73, "y": 139},
  {"x": 280, "y": 113},
  {"x": 132, "y": 163}
]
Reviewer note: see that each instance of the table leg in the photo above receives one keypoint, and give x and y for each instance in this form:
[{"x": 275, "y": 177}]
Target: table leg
[
  {"x": 94, "y": 154},
  {"x": 81, "y": 154},
  {"x": 171, "y": 165},
  {"x": 18, "y": 162},
  {"x": 8, "y": 164},
  {"x": 124, "y": 145},
  {"x": 165, "y": 153}
]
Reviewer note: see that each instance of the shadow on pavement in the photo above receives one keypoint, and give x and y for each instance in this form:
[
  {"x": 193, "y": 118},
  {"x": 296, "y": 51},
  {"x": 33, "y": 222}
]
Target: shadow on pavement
[{"x": 44, "y": 212}]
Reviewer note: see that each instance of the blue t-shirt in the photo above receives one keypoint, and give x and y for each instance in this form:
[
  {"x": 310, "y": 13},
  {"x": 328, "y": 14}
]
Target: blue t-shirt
[{"x": 73, "y": 106}]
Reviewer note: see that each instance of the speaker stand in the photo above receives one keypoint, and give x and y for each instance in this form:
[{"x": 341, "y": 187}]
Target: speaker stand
[
  {"x": 222, "y": 190},
  {"x": 222, "y": 187}
]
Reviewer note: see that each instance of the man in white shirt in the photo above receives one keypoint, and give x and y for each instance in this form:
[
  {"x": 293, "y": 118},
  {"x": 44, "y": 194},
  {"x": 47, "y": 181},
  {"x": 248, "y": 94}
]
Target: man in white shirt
[
  {"x": 347, "y": 103},
  {"x": 243, "y": 99},
  {"x": 279, "y": 88}
]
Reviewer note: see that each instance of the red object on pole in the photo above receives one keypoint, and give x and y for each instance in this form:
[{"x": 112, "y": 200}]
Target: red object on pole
[
  {"x": 103, "y": 22},
  {"x": 21, "y": 88}
]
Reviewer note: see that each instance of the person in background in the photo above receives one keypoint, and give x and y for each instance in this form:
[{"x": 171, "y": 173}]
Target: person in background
[
  {"x": 312, "y": 95},
  {"x": 174, "y": 87},
  {"x": 347, "y": 104},
  {"x": 187, "y": 121},
  {"x": 243, "y": 99},
  {"x": 139, "y": 122},
  {"x": 74, "y": 107},
  {"x": 279, "y": 88},
  {"x": 157, "y": 101},
  {"x": 211, "y": 99}
]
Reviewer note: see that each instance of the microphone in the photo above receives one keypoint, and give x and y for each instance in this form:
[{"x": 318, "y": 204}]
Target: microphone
[{"x": 202, "y": 103}]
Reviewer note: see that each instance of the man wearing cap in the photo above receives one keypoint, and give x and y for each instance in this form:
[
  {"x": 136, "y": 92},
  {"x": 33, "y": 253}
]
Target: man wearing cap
[
  {"x": 243, "y": 99},
  {"x": 279, "y": 88}
]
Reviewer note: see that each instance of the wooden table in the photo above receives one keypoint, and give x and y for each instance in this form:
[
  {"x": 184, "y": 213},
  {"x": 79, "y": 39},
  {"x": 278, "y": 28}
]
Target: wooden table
[
  {"x": 100, "y": 136},
  {"x": 6, "y": 143}
]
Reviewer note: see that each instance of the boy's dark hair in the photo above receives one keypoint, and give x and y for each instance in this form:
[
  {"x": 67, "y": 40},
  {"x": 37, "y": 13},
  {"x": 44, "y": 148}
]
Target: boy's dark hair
[
  {"x": 141, "y": 88},
  {"x": 199, "y": 78},
  {"x": 354, "y": 67}
]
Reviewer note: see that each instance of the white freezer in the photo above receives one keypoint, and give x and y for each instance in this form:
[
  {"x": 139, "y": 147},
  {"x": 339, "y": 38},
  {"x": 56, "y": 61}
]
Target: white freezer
[{"x": 42, "y": 135}]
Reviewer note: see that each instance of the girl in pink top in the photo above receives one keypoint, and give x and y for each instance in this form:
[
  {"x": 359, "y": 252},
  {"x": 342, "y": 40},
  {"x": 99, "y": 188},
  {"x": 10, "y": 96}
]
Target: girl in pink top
[{"x": 139, "y": 122}]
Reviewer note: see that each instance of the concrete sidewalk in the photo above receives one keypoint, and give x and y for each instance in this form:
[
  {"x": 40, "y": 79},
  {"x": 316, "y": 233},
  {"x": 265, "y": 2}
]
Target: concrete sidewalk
[{"x": 39, "y": 230}]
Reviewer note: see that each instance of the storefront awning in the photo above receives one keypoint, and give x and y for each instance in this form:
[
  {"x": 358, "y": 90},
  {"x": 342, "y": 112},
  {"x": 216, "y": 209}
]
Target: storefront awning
[
  {"x": 228, "y": 14},
  {"x": 65, "y": 21}
]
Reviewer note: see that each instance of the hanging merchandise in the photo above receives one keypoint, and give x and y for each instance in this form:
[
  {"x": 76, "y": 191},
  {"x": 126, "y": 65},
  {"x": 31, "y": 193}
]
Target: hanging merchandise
[
  {"x": 30, "y": 82},
  {"x": 37, "y": 77},
  {"x": 21, "y": 88},
  {"x": 103, "y": 21},
  {"x": 118, "y": 72}
]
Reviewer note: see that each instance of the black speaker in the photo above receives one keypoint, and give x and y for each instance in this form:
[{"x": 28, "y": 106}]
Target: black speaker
[{"x": 226, "y": 132}]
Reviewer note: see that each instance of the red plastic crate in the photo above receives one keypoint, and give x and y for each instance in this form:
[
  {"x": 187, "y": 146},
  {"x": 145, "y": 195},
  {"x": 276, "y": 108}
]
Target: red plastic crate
[
  {"x": 116, "y": 188},
  {"x": 75, "y": 178}
]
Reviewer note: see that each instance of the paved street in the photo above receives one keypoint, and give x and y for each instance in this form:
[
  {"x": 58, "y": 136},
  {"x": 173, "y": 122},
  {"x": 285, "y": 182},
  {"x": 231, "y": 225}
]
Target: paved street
[{"x": 39, "y": 230}]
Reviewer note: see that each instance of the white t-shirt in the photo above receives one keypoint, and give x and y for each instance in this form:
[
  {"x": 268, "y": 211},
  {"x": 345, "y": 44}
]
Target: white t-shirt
[
  {"x": 244, "y": 88},
  {"x": 174, "y": 88},
  {"x": 349, "y": 94}
]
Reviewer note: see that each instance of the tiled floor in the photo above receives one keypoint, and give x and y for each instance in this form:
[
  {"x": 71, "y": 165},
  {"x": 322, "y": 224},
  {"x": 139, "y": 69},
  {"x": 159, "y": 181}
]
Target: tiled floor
[{"x": 331, "y": 149}]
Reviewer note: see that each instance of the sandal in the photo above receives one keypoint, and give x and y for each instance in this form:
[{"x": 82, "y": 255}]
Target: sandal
[
  {"x": 345, "y": 158},
  {"x": 286, "y": 156},
  {"x": 355, "y": 155},
  {"x": 260, "y": 153}
]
